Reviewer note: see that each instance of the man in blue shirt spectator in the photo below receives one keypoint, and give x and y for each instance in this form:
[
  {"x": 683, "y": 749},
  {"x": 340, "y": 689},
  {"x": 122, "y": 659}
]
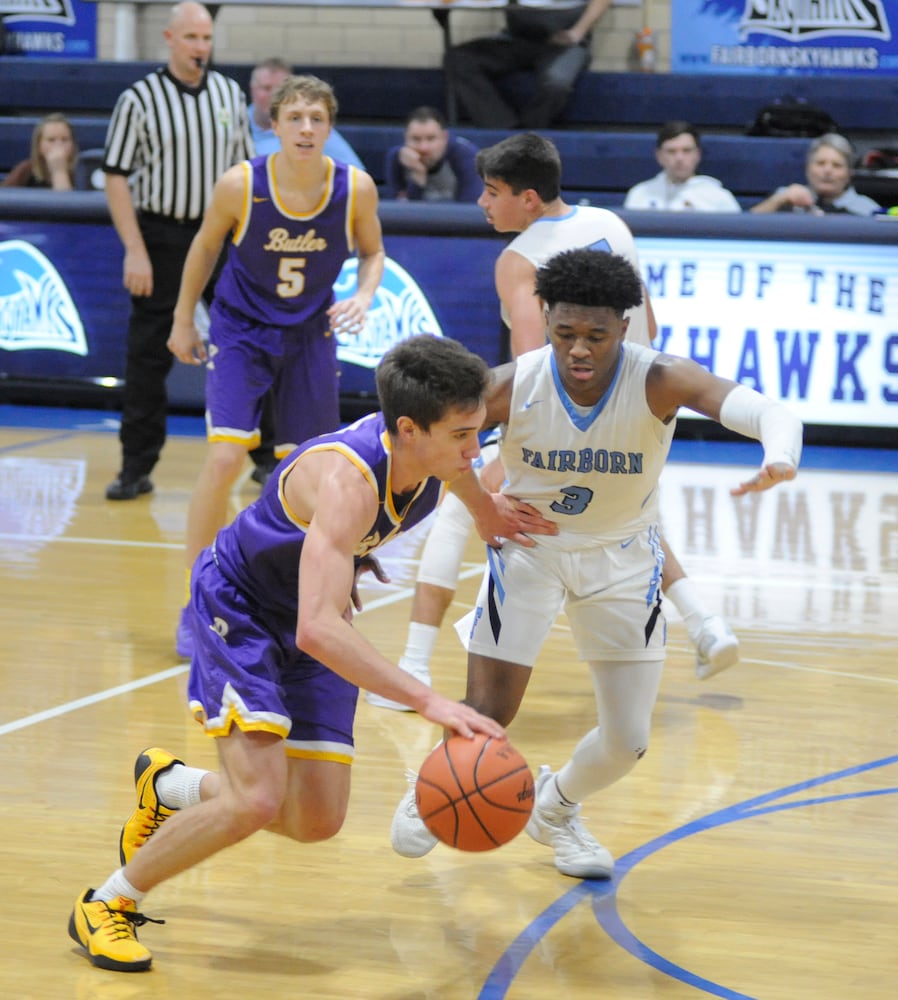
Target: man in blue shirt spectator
[
  {"x": 266, "y": 77},
  {"x": 431, "y": 164}
]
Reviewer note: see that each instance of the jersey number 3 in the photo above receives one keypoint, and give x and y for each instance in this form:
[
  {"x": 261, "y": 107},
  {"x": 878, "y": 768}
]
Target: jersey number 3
[{"x": 576, "y": 500}]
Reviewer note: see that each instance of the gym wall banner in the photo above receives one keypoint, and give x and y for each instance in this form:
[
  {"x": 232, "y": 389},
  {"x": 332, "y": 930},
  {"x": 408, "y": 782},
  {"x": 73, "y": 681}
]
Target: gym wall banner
[
  {"x": 62, "y": 29},
  {"x": 810, "y": 324},
  {"x": 795, "y": 37}
]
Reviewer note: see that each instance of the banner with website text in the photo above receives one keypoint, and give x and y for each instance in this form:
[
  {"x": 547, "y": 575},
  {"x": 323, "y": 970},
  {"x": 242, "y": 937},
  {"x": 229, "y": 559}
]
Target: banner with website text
[{"x": 795, "y": 37}]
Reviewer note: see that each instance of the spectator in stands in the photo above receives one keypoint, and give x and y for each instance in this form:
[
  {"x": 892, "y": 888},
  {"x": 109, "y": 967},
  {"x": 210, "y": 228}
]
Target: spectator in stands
[
  {"x": 678, "y": 188},
  {"x": 552, "y": 43},
  {"x": 266, "y": 77},
  {"x": 432, "y": 164},
  {"x": 180, "y": 123},
  {"x": 829, "y": 168},
  {"x": 53, "y": 159}
]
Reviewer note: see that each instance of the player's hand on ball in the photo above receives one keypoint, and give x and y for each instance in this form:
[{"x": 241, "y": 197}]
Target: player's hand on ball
[{"x": 459, "y": 718}]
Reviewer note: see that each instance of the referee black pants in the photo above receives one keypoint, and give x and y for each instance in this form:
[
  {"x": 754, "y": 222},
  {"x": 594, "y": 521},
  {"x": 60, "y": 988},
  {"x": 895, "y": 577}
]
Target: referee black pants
[{"x": 148, "y": 360}]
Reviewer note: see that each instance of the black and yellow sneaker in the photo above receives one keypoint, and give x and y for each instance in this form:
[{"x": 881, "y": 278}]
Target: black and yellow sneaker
[
  {"x": 107, "y": 932},
  {"x": 150, "y": 814}
]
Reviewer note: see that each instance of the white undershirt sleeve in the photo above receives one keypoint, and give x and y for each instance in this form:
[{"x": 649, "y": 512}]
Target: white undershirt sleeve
[{"x": 766, "y": 420}]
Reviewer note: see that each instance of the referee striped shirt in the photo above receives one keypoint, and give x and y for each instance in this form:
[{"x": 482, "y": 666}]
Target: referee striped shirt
[{"x": 174, "y": 142}]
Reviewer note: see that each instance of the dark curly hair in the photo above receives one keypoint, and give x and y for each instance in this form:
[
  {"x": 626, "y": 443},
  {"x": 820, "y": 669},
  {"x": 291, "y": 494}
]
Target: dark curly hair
[{"x": 585, "y": 277}]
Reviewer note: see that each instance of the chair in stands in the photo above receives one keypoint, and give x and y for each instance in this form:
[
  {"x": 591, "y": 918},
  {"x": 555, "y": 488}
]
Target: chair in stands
[{"x": 89, "y": 172}]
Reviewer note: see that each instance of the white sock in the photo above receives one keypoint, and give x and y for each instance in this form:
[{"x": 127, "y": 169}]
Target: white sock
[
  {"x": 550, "y": 796},
  {"x": 179, "y": 786},
  {"x": 118, "y": 885},
  {"x": 686, "y": 599},
  {"x": 419, "y": 648}
]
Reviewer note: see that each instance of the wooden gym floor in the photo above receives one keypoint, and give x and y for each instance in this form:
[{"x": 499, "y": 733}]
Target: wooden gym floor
[{"x": 754, "y": 842}]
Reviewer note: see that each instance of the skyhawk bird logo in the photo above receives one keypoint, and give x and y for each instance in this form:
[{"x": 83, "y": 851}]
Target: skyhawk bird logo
[
  {"x": 55, "y": 11},
  {"x": 799, "y": 20},
  {"x": 399, "y": 310},
  {"x": 36, "y": 309}
]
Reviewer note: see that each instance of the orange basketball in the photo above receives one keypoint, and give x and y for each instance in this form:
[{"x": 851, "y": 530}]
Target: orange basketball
[{"x": 475, "y": 794}]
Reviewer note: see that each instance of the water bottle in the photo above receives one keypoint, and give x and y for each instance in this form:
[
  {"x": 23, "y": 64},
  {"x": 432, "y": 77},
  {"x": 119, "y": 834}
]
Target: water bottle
[{"x": 645, "y": 50}]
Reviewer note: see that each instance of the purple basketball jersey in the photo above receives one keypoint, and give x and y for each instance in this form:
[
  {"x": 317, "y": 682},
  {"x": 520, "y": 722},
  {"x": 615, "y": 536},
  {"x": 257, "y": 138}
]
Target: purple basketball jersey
[
  {"x": 259, "y": 551},
  {"x": 281, "y": 266}
]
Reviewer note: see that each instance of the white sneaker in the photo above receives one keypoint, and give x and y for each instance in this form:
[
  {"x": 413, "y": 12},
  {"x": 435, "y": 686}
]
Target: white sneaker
[
  {"x": 378, "y": 701},
  {"x": 408, "y": 834},
  {"x": 577, "y": 852},
  {"x": 716, "y": 646}
]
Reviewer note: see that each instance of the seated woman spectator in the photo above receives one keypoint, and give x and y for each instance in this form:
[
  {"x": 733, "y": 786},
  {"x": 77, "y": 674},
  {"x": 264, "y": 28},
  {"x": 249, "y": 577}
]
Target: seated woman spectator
[
  {"x": 829, "y": 168},
  {"x": 431, "y": 164},
  {"x": 54, "y": 157}
]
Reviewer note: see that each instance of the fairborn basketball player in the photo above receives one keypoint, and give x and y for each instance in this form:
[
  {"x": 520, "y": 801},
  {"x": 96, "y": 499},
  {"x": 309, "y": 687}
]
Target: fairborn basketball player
[{"x": 589, "y": 421}]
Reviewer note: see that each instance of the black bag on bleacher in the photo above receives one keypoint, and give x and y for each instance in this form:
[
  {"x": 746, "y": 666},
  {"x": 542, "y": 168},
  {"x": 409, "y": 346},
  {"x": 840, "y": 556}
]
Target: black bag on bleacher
[
  {"x": 883, "y": 158},
  {"x": 791, "y": 117}
]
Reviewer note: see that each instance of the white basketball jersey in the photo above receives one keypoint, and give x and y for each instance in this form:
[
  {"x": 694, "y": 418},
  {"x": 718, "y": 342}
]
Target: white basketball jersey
[
  {"x": 583, "y": 226},
  {"x": 594, "y": 474}
]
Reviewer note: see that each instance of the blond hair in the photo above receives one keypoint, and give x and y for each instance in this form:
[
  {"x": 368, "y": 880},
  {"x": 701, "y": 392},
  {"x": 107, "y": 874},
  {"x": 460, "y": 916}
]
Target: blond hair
[{"x": 310, "y": 89}]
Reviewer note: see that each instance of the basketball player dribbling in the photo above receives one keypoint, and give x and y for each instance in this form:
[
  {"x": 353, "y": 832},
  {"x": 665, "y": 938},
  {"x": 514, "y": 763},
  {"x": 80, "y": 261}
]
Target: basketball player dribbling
[{"x": 274, "y": 678}]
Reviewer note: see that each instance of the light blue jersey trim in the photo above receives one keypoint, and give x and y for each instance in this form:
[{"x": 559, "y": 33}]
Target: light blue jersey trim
[{"x": 580, "y": 421}]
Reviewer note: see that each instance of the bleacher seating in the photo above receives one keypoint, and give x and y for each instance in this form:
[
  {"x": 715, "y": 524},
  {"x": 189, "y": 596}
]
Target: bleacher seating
[
  {"x": 599, "y": 167},
  {"x": 15, "y": 135},
  {"x": 606, "y": 100},
  {"x": 607, "y": 142}
]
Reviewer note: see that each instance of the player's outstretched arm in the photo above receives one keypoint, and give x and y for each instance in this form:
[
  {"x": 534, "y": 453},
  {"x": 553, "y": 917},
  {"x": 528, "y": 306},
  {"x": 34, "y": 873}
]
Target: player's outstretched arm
[
  {"x": 331, "y": 494},
  {"x": 773, "y": 424},
  {"x": 674, "y": 382}
]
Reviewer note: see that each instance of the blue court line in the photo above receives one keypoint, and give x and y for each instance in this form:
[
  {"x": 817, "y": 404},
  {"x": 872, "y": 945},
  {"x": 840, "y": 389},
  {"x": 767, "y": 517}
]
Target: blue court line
[
  {"x": 95, "y": 421},
  {"x": 37, "y": 442},
  {"x": 812, "y": 456},
  {"x": 603, "y": 894}
]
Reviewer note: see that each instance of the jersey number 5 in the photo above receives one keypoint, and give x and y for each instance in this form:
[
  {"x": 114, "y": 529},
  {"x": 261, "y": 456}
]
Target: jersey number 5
[{"x": 292, "y": 280}]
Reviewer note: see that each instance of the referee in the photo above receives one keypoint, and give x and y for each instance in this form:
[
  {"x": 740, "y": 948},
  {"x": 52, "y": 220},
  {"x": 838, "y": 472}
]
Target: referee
[{"x": 171, "y": 136}]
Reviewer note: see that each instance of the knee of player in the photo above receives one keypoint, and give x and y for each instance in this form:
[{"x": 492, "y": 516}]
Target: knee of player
[
  {"x": 627, "y": 750},
  {"x": 253, "y": 810},
  {"x": 225, "y": 461},
  {"x": 308, "y": 827}
]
